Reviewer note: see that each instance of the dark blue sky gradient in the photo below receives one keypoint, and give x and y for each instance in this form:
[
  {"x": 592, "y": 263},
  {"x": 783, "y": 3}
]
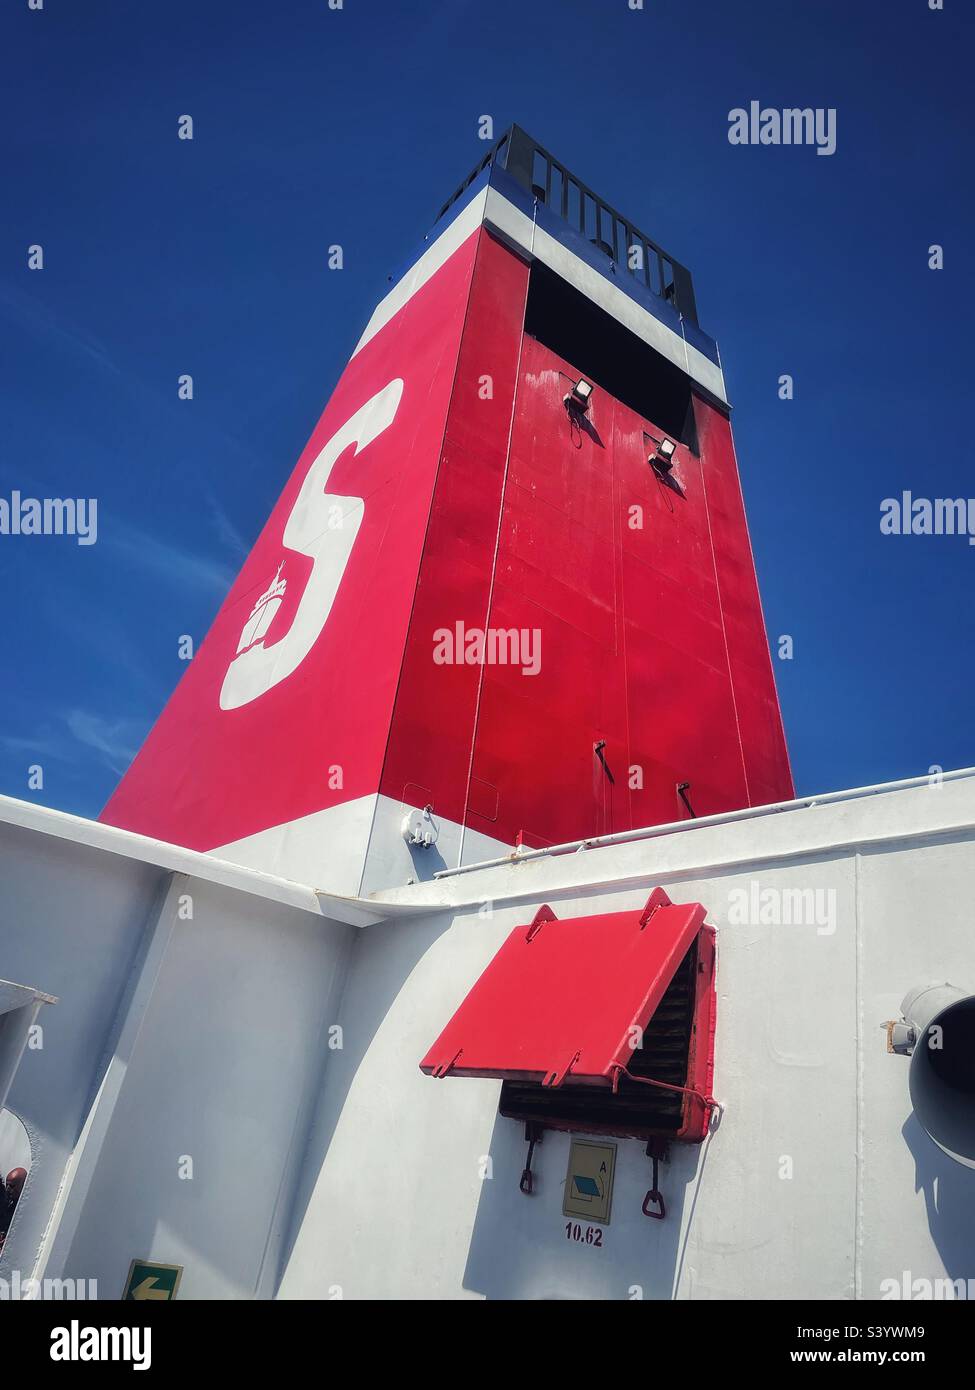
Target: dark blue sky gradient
[{"x": 314, "y": 127}]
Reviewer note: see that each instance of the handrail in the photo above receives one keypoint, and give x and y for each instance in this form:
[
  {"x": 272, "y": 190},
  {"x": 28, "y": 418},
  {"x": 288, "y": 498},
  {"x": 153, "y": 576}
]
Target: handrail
[
  {"x": 548, "y": 180},
  {"x": 652, "y": 832}
]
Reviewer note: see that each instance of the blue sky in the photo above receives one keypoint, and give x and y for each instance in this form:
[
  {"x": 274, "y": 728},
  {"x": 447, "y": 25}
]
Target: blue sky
[{"x": 313, "y": 127}]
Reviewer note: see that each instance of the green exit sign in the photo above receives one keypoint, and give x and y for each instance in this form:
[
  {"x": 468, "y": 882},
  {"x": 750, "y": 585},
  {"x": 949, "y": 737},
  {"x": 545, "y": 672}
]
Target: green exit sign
[{"x": 151, "y": 1282}]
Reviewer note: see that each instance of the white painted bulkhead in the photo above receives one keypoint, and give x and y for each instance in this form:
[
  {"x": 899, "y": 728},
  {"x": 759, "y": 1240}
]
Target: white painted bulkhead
[
  {"x": 189, "y": 1025},
  {"x": 323, "y": 1171},
  {"x": 358, "y": 847}
]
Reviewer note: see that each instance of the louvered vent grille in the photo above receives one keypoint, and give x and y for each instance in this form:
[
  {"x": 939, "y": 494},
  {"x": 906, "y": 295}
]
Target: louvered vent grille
[{"x": 635, "y": 1110}]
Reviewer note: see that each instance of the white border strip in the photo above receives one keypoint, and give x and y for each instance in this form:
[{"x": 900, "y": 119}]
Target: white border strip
[
  {"x": 519, "y": 229},
  {"x": 98, "y": 835},
  {"x": 492, "y": 208},
  {"x": 436, "y": 255}
]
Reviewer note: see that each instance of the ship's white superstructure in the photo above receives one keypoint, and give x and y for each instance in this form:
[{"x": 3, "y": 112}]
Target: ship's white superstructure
[{"x": 229, "y": 1080}]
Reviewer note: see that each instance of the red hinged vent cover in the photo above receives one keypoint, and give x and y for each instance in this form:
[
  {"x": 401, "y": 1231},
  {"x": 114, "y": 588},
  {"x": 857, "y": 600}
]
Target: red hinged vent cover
[{"x": 560, "y": 1000}]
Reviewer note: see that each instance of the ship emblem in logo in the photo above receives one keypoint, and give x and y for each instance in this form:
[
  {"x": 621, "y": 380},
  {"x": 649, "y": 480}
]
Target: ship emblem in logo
[{"x": 262, "y": 614}]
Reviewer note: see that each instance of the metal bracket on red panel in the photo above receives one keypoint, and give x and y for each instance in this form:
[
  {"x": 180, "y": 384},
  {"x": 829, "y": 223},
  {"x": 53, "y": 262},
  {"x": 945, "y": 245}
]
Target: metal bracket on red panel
[
  {"x": 658, "y": 898},
  {"x": 533, "y": 1135},
  {"x": 544, "y": 914},
  {"x": 555, "y": 1078},
  {"x": 442, "y": 1068}
]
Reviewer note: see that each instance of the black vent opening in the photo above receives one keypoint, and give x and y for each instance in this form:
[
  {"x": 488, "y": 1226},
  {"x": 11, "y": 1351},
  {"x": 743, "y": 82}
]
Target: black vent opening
[
  {"x": 636, "y": 1110},
  {"x": 606, "y": 353}
]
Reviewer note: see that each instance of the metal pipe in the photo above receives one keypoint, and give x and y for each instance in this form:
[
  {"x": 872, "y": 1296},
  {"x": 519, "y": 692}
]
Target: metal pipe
[{"x": 653, "y": 832}]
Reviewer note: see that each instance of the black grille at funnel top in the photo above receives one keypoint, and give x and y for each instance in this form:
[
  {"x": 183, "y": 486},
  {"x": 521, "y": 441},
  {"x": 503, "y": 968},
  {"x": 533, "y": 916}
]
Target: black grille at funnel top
[
  {"x": 548, "y": 180},
  {"x": 635, "y": 1110}
]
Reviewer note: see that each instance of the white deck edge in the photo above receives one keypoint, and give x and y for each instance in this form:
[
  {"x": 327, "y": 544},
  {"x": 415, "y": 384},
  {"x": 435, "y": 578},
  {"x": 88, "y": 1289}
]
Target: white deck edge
[{"x": 175, "y": 859}]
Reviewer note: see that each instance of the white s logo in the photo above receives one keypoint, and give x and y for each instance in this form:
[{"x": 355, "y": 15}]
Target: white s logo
[{"x": 311, "y": 531}]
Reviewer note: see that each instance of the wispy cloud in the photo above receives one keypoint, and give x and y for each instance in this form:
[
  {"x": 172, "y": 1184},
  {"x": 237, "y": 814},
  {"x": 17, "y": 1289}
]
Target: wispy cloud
[
  {"x": 227, "y": 532},
  {"x": 62, "y": 738},
  {"x": 175, "y": 565},
  {"x": 117, "y": 740},
  {"x": 43, "y": 746},
  {"x": 34, "y": 316}
]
